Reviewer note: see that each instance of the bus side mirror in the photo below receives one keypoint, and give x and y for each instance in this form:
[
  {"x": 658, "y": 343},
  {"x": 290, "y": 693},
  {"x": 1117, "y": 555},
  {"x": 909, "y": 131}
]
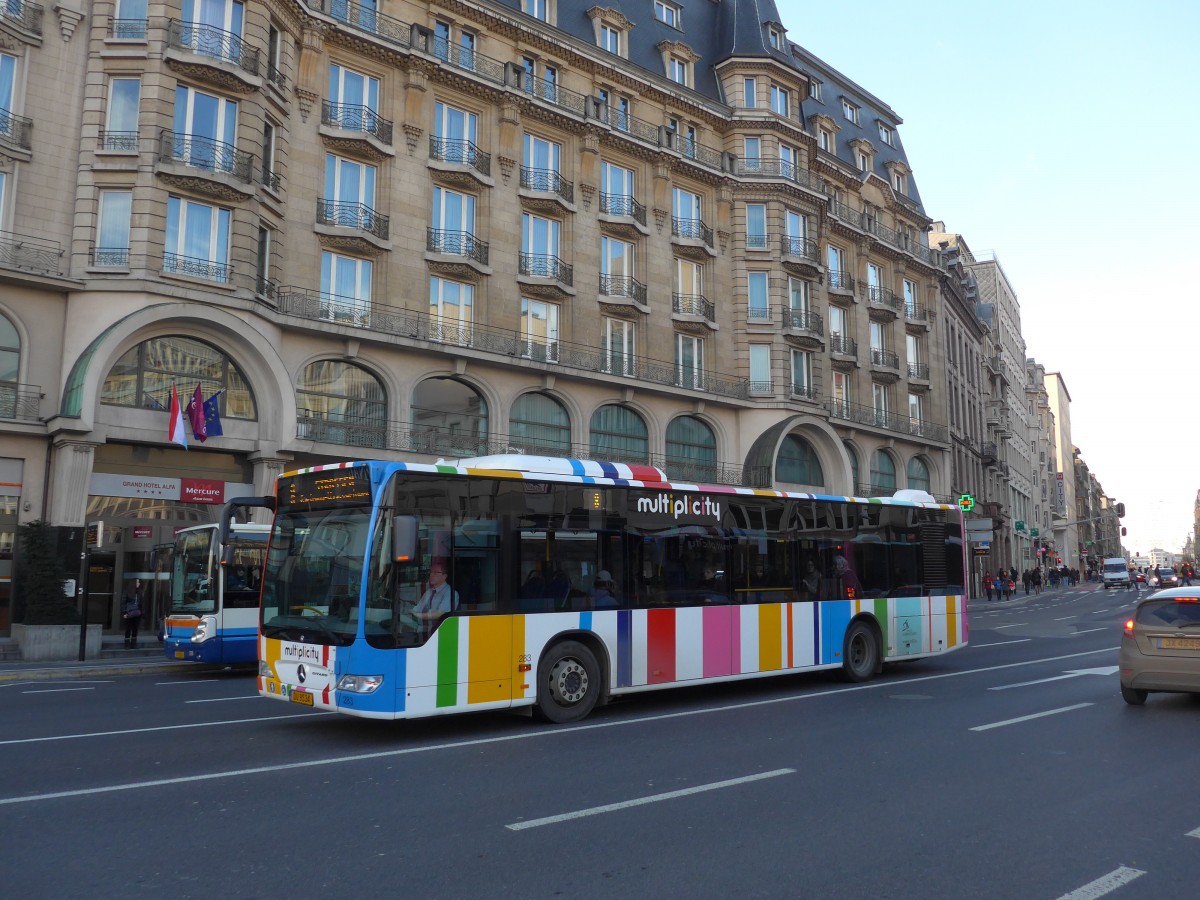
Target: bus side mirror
[{"x": 404, "y": 539}]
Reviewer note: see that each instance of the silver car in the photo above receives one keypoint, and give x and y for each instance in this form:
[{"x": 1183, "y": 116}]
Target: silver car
[{"x": 1160, "y": 648}]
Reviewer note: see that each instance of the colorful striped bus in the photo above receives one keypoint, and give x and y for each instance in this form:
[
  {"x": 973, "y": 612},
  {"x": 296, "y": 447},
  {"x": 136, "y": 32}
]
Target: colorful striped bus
[{"x": 397, "y": 590}]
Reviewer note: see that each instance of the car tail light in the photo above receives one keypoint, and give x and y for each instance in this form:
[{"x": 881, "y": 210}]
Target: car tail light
[
  {"x": 1129, "y": 628},
  {"x": 1187, "y": 599}
]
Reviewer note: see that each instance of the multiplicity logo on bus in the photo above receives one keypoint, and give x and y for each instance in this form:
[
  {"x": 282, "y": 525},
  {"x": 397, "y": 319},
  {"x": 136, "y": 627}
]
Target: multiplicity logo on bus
[{"x": 678, "y": 506}]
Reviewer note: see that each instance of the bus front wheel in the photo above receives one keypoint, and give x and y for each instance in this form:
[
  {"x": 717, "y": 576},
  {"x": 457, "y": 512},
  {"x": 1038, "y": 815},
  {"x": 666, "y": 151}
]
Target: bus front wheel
[
  {"x": 568, "y": 683},
  {"x": 860, "y": 654}
]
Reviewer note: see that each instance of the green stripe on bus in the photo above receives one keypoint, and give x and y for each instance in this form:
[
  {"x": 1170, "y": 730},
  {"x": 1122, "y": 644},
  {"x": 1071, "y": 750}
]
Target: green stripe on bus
[
  {"x": 447, "y": 665},
  {"x": 881, "y": 616}
]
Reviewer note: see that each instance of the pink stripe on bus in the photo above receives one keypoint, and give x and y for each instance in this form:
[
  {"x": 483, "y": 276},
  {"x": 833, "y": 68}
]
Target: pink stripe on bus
[{"x": 718, "y": 648}]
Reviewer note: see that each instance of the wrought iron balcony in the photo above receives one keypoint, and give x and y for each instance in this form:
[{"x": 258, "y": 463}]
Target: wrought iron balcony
[
  {"x": 915, "y": 312},
  {"x": 365, "y": 18},
  {"x": 804, "y": 320},
  {"x": 552, "y": 92},
  {"x": 882, "y": 297},
  {"x": 270, "y": 178},
  {"x": 869, "y": 222},
  {"x": 214, "y": 43},
  {"x": 16, "y": 131},
  {"x": 547, "y": 181},
  {"x": 276, "y": 77},
  {"x": 622, "y": 205},
  {"x": 352, "y": 215},
  {"x": 885, "y": 358},
  {"x": 840, "y": 280},
  {"x": 988, "y": 453},
  {"x": 694, "y": 305},
  {"x": 804, "y": 391},
  {"x": 305, "y": 303},
  {"x": 759, "y": 314},
  {"x": 127, "y": 29},
  {"x": 622, "y": 286},
  {"x": 757, "y": 241},
  {"x": 204, "y": 153},
  {"x": 197, "y": 267},
  {"x": 25, "y": 15},
  {"x": 354, "y": 117},
  {"x": 119, "y": 141},
  {"x": 881, "y": 418},
  {"x": 30, "y": 254},
  {"x": 843, "y": 345},
  {"x": 919, "y": 371},
  {"x": 108, "y": 257},
  {"x": 692, "y": 229},
  {"x": 459, "y": 152},
  {"x": 802, "y": 247},
  {"x": 541, "y": 265},
  {"x": 20, "y": 402},
  {"x": 456, "y": 243},
  {"x": 767, "y": 167}
]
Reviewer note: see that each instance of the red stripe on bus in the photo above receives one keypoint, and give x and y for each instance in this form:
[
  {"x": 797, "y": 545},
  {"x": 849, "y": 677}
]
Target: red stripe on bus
[{"x": 660, "y": 646}]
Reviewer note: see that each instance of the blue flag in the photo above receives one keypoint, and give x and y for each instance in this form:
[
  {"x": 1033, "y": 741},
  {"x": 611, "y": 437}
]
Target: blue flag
[{"x": 212, "y": 415}]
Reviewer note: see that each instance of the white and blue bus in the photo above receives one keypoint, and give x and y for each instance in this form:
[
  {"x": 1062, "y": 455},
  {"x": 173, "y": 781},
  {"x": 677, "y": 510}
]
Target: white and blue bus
[
  {"x": 216, "y": 576},
  {"x": 397, "y": 590}
]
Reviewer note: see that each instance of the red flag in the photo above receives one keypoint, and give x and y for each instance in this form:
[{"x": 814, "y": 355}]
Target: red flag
[
  {"x": 195, "y": 412},
  {"x": 175, "y": 432}
]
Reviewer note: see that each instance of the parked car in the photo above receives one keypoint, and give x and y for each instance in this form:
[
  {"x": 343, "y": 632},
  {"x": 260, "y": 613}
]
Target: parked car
[{"x": 1160, "y": 647}]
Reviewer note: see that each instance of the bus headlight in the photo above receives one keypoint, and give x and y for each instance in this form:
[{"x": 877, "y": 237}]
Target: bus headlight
[
  {"x": 264, "y": 669},
  {"x": 205, "y": 630},
  {"x": 360, "y": 684}
]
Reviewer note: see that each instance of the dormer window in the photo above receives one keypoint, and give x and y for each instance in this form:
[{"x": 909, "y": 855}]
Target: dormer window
[
  {"x": 539, "y": 9},
  {"x": 775, "y": 37},
  {"x": 814, "y": 90},
  {"x": 678, "y": 61},
  {"x": 667, "y": 13},
  {"x": 825, "y": 140},
  {"x": 610, "y": 39},
  {"x": 864, "y": 154},
  {"x": 849, "y": 111},
  {"x": 677, "y": 70},
  {"x": 864, "y": 160},
  {"x": 887, "y": 135},
  {"x": 898, "y": 176},
  {"x": 612, "y": 30}
]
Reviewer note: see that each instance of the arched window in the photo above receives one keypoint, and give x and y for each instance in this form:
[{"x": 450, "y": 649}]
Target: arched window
[
  {"x": 540, "y": 424},
  {"x": 341, "y": 403},
  {"x": 918, "y": 474},
  {"x": 883, "y": 473},
  {"x": 618, "y": 434},
  {"x": 854, "y": 484},
  {"x": 449, "y": 418},
  {"x": 10, "y": 351},
  {"x": 691, "y": 450},
  {"x": 798, "y": 463},
  {"x": 144, "y": 374}
]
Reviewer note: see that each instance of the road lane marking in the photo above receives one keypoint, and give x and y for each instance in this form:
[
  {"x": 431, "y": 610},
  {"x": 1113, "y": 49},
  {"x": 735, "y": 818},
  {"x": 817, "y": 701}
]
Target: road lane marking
[
  {"x": 9, "y": 684},
  {"x": 1071, "y": 673},
  {"x": 93, "y": 734},
  {"x": 1088, "y": 631},
  {"x": 57, "y": 690},
  {"x": 525, "y": 735},
  {"x": 1049, "y": 712},
  {"x": 198, "y": 681},
  {"x": 1104, "y": 885},
  {"x": 223, "y": 699},
  {"x": 1014, "y": 625},
  {"x": 1002, "y": 643},
  {"x": 1064, "y": 618},
  {"x": 1195, "y": 832},
  {"x": 642, "y": 801}
]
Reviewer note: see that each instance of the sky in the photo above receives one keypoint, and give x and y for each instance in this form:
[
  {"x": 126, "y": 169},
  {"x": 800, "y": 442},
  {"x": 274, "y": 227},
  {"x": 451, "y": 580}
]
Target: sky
[{"x": 1062, "y": 136}]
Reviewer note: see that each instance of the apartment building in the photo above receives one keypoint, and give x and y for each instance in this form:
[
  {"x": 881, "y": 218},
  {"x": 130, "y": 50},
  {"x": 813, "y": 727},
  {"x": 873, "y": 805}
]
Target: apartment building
[{"x": 437, "y": 230}]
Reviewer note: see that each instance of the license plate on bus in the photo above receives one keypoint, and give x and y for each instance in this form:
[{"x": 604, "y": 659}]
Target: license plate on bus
[
  {"x": 1179, "y": 643},
  {"x": 304, "y": 698}
]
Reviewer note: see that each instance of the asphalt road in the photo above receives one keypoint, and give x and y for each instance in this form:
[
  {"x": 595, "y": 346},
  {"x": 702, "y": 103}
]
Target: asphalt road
[{"x": 1009, "y": 769}]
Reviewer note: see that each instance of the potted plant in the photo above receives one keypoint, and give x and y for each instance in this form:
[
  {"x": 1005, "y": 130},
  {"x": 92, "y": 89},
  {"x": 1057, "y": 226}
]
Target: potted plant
[{"x": 49, "y": 627}]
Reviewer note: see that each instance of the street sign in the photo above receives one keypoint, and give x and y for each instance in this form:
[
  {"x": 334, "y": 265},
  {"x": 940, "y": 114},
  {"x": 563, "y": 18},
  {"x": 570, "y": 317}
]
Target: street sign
[
  {"x": 983, "y": 548},
  {"x": 1033, "y": 532},
  {"x": 980, "y": 524},
  {"x": 1019, "y": 525}
]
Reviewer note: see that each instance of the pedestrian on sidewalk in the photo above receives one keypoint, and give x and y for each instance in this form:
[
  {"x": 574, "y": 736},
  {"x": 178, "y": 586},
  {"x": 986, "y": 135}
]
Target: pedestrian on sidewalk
[
  {"x": 1026, "y": 580},
  {"x": 987, "y": 584},
  {"x": 131, "y": 612},
  {"x": 1036, "y": 575}
]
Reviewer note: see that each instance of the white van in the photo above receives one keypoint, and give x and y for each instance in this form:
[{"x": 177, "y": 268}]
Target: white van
[{"x": 1116, "y": 572}]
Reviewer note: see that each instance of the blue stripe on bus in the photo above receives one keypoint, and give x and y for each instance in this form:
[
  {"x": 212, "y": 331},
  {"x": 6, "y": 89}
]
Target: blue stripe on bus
[
  {"x": 624, "y": 648},
  {"x": 835, "y": 616},
  {"x": 576, "y": 467},
  {"x": 585, "y": 621},
  {"x": 609, "y": 470},
  {"x": 816, "y": 611},
  {"x": 401, "y": 671}
]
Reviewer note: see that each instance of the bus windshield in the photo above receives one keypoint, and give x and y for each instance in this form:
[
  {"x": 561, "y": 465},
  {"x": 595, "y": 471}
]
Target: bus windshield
[
  {"x": 193, "y": 590},
  {"x": 313, "y": 575}
]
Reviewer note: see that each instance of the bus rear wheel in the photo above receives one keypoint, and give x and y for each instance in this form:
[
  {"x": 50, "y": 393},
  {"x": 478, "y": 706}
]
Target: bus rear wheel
[
  {"x": 860, "y": 653},
  {"x": 568, "y": 683}
]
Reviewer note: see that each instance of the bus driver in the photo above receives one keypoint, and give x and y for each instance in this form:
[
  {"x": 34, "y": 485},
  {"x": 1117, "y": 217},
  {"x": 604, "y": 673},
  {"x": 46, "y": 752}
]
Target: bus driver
[{"x": 439, "y": 599}]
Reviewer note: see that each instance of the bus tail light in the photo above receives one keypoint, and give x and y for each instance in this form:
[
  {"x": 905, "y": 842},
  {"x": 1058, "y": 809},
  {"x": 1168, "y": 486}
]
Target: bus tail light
[{"x": 360, "y": 684}]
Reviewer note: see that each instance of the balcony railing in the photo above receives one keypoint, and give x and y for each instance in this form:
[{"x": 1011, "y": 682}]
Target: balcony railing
[
  {"x": 353, "y": 117},
  {"x": 841, "y": 344},
  {"x": 622, "y": 286},
  {"x": 16, "y": 131},
  {"x": 694, "y": 305},
  {"x": 869, "y": 222},
  {"x": 841, "y": 281},
  {"x": 30, "y": 254},
  {"x": 352, "y": 215},
  {"x": 215, "y": 43},
  {"x": 205, "y": 153},
  {"x": 108, "y": 257},
  {"x": 276, "y": 77},
  {"x": 915, "y": 312},
  {"x": 541, "y": 265},
  {"x": 127, "y": 29},
  {"x": 804, "y": 320},
  {"x": 804, "y": 391},
  {"x": 20, "y": 402},
  {"x": 459, "y": 152},
  {"x": 919, "y": 371},
  {"x": 25, "y": 15},
  {"x": 456, "y": 243},
  {"x": 799, "y": 246},
  {"x": 885, "y": 419},
  {"x": 270, "y": 178},
  {"x": 881, "y": 296},
  {"x": 622, "y": 205},
  {"x": 366, "y": 19},
  {"x": 692, "y": 229},
  {"x": 886, "y": 358},
  {"x": 766, "y": 167},
  {"x": 761, "y": 387},
  {"x": 197, "y": 267},
  {"x": 312, "y": 305},
  {"x": 119, "y": 141},
  {"x": 547, "y": 181},
  {"x": 554, "y": 93}
]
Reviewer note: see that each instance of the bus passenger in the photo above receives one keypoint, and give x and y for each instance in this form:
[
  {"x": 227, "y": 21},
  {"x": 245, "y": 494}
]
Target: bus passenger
[
  {"x": 439, "y": 599},
  {"x": 810, "y": 581},
  {"x": 604, "y": 591}
]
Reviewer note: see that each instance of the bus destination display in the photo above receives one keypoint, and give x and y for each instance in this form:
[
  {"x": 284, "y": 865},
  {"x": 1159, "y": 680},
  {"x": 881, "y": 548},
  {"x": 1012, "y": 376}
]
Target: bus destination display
[{"x": 327, "y": 488}]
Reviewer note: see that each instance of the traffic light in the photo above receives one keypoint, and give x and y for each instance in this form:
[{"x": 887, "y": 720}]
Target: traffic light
[
  {"x": 1124, "y": 531},
  {"x": 1121, "y": 511}
]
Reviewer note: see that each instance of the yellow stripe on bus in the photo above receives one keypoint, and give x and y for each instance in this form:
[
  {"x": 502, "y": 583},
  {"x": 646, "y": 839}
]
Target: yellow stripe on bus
[
  {"x": 951, "y": 622},
  {"x": 489, "y": 658},
  {"x": 770, "y": 637}
]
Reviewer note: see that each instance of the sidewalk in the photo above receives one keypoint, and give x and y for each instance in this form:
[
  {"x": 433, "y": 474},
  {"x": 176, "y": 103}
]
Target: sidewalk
[{"x": 114, "y": 659}]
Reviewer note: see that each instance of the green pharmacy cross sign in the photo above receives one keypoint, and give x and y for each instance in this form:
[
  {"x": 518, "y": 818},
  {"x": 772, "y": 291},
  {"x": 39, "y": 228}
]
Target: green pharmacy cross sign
[{"x": 966, "y": 503}]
